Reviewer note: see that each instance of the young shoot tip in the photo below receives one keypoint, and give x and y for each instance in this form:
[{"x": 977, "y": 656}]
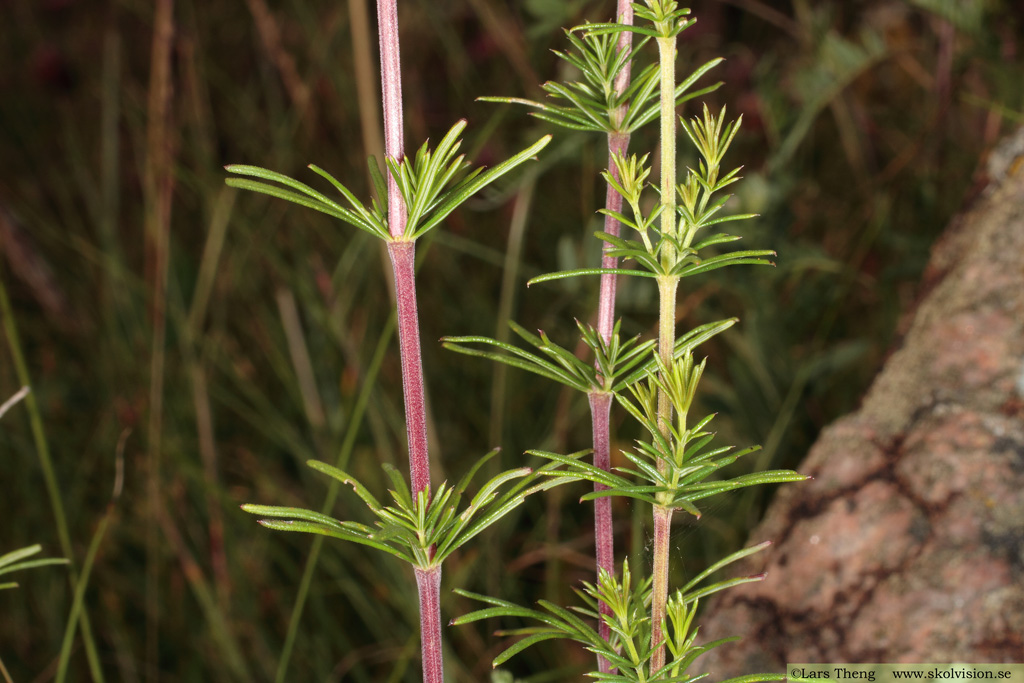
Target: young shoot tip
[{"x": 759, "y": 577}]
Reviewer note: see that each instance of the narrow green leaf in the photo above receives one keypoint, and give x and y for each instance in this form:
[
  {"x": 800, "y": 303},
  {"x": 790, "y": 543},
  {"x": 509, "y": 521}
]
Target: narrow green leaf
[
  {"x": 587, "y": 271},
  {"x": 522, "y": 645},
  {"x": 724, "y": 562},
  {"x": 33, "y": 563},
  {"x": 20, "y": 554},
  {"x": 454, "y": 197},
  {"x": 348, "y": 479}
]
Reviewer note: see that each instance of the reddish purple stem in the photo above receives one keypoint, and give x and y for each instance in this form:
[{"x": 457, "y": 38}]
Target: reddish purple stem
[
  {"x": 600, "y": 412},
  {"x": 391, "y": 88},
  {"x": 600, "y": 402},
  {"x": 429, "y": 583},
  {"x": 403, "y": 261},
  {"x": 617, "y": 144}
]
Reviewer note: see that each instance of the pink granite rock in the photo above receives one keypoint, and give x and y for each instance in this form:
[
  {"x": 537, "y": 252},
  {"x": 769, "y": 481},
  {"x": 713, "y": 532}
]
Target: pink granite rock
[{"x": 908, "y": 545}]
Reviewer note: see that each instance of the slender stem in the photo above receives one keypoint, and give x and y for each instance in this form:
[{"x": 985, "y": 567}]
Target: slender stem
[
  {"x": 659, "y": 594},
  {"x": 49, "y": 473},
  {"x": 403, "y": 261},
  {"x": 159, "y": 184},
  {"x": 617, "y": 144},
  {"x": 354, "y": 424},
  {"x": 667, "y": 64},
  {"x": 667, "y": 287},
  {"x": 429, "y": 583},
  {"x": 624, "y": 14},
  {"x": 604, "y": 538},
  {"x": 77, "y": 604},
  {"x": 601, "y": 402},
  {"x": 662, "y": 514},
  {"x": 618, "y": 141},
  {"x": 391, "y": 88}
]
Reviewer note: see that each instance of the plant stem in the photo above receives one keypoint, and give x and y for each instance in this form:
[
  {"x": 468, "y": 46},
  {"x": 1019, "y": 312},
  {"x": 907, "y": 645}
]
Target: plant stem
[
  {"x": 617, "y": 145},
  {"x": 158, "y": 193},
  {"x": 429, "y": 583},
  {"x": 667, "y": 65},
  {"x": 667, "y": 286},
  {"x": 403, "y": 261},
  {"x": 601, "y": 402},
  {"x": 604, "y": 541},
  {"x": 49, "y": 473},
  {"x": 659, "y": 594},
  {"x": 391, "y": 88},
  {"x": 344, "y": 454}
]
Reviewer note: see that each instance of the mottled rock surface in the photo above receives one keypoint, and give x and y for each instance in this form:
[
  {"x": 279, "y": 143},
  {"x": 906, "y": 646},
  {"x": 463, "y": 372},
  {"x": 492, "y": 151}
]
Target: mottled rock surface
[{"x": 908, "y": 545}]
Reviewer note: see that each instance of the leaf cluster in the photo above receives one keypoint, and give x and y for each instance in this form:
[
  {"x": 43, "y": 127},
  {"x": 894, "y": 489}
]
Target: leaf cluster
[
  {"x": 666, "y": 17},
  {"x": 629, "y": 649},
  {"x": 421, "y": 528},
  {"x": 616, "y": 365},
  {"x": 672, "y": 253},
  {"x": 594, "y": 103},
  {"x": 433, "y": 183},
  {"x": 674, "y": 464}
]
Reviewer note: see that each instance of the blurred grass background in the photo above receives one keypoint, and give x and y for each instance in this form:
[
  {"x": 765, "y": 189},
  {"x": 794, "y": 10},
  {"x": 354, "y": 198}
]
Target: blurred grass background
[{"x": 216, "y": 341}]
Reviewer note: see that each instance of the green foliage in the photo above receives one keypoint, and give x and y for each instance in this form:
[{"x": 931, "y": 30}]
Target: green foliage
[
  {"x": 675, "y": 467},
  {"x": 594, "y": 104},
  {"x": 612, "y": 360},
  {"x": 421, "y": 529},
  {"x": 430, "y": 184},
  {"x": 877, "y": 163},
  {"x": 672, "y": 254},
  {"x": 667, "y": 18},
  {"x": 629, "y": 649},
  {"x": 616, "y": 365}
]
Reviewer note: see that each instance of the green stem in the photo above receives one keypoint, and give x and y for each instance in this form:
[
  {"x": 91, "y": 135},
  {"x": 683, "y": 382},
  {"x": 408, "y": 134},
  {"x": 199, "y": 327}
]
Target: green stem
[
  {"x": 667, "y": 63},
  {"x": 49, "y": 475},
  {"x": 659, "y": 593},
  {"x": 667, "y": 287},
  {"x": 79, "y": 600}
]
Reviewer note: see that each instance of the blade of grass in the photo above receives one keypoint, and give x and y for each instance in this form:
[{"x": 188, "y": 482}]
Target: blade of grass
[
  {"x": 159, "y": 183},
  {"x": 49, "y": 474},
  {"x": 344, "y": 454},
  {"x": 90, "y": 559}
]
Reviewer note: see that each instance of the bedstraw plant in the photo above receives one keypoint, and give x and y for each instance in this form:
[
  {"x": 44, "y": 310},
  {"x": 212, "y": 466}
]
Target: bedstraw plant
[{"x": 637, "y": 629}]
